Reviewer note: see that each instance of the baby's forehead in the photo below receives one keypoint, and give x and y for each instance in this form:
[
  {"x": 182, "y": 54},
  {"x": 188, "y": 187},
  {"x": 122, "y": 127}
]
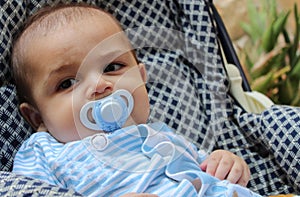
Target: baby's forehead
[{"x": 47, "y": 21}]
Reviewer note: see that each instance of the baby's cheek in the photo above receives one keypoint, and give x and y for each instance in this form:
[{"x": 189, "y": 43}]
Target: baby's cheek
[
  {"x": 140, "y": 114},
  {"x": 62, "y": 126}
]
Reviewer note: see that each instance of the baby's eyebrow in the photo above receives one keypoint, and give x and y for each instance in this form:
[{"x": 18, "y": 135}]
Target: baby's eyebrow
[
  {"x": 66, "y": 68},
  {"x": 100, "y": 56}
]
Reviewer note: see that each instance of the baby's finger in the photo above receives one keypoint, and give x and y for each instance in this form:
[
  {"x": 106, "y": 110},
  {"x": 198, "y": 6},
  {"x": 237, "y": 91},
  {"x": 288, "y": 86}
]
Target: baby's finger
[
  {"x": 235, "y": 174},
  {"x": 203, "y": 165},
  {"x": 243, "y": 181},
  {"x": 212, "y": 164},
  {"x": 224, "y": 168}
]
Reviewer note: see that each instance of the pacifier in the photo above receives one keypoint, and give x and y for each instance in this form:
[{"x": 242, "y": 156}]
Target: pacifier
[{"x": 107, "y": 114}]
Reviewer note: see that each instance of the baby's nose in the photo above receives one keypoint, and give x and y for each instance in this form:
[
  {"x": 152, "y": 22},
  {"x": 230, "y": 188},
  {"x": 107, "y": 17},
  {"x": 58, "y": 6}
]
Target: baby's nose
[{"x": 102, "y": 89}]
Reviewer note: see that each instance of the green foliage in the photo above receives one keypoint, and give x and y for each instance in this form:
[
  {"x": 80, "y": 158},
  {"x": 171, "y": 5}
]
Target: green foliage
[{"x": 273, "y": 57}]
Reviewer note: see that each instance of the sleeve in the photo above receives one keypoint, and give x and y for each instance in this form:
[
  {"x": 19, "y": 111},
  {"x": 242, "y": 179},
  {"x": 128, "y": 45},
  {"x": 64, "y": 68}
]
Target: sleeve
[{"x": 31, "y": 159}]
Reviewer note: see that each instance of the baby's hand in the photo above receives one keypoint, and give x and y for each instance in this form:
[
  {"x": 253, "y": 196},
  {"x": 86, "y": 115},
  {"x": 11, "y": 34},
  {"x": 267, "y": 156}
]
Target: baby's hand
[{"x": 226, "y": 165}]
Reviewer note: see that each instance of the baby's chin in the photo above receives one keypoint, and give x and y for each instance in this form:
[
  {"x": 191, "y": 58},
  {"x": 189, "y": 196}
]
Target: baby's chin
[
  {"x": 136, "y": 121},
  {"x": 129, "y": 122},
  {"x": 76, "y": 136},
  {"x": 88, "y": 132},
  {"x": 83, "y": 132}
]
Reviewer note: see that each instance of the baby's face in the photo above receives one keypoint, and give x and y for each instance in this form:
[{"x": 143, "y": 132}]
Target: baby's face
[{"x": 80, "y": 62}]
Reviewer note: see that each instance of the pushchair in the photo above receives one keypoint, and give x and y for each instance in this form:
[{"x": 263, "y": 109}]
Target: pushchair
[{"x": 187, "y": 52}]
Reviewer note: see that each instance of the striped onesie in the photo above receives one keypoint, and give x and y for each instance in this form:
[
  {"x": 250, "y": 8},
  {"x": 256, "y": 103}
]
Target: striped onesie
[{"x": 139, "y": 158}]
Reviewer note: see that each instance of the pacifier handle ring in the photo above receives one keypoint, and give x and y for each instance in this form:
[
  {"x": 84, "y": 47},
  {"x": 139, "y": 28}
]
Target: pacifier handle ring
[
  {"x": 84, "y": 116},
  {"x": 125, "y": 94}
]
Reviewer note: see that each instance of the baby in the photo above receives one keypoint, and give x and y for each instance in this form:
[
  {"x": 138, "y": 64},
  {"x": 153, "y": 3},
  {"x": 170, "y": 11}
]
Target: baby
[{"x": 81, "y": 87}]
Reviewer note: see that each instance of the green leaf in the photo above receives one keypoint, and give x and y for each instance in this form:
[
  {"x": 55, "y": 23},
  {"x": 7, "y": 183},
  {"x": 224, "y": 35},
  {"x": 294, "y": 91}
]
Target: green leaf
[
  {"x": 294, "y": 48},
  {"x": 250, "y": 31},
  {"x": 272, "y": 61},
  {"x": 296, "y": 70},
  {"x": 256, "y": 23},
  {"x": 270, "y": 36},
  {"x": 279, "y": 23},
  {"x": 296, "y": 99},
  {"x": 286, "y": 36},
  {"x": 249, "y": 63},
  {"x": 262, "y": 83},
  {"x": 267, "y": 39},
  {"x": 286, "y": 92}
]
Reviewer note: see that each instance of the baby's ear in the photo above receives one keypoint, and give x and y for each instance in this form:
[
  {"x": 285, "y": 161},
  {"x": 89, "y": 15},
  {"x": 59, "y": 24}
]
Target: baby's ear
[
  {"x": 143, "y": 72},
  {"x": 31, "y": 115}
]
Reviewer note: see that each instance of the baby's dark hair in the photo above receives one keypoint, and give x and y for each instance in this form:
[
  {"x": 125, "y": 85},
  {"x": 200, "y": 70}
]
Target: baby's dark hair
[{"x": 47, "y": 18}]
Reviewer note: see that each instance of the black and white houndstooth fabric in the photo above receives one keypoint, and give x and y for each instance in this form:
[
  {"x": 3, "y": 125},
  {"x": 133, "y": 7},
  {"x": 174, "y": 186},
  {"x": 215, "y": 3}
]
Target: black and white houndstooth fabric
[
  {"x": 187, "y": 85},
  {"x": 15, "y": 185}
]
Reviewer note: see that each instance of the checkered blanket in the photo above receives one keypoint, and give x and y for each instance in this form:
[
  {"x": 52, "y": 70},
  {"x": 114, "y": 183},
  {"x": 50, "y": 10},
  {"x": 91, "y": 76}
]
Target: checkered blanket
[{"x": 188, "y": 89}]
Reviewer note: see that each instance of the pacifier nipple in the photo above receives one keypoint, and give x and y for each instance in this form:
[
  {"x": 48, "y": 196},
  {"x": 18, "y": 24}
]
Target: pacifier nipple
[{"x": 107, "y": 114}]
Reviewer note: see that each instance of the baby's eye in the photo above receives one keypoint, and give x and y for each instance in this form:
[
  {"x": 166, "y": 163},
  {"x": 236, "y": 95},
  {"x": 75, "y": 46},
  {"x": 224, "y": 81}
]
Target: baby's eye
[
  {"x": 113, "y": 67},
  {"x": 67, "y": 84}
]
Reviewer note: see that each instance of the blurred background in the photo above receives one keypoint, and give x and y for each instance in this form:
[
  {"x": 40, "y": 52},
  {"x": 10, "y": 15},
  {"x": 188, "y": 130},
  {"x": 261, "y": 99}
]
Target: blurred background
[{"x": 266, "y": 37}]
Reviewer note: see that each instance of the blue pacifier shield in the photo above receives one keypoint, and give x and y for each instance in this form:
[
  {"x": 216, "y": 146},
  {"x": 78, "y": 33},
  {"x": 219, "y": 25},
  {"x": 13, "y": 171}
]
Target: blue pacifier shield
[{"x": 107, "y": 114}]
